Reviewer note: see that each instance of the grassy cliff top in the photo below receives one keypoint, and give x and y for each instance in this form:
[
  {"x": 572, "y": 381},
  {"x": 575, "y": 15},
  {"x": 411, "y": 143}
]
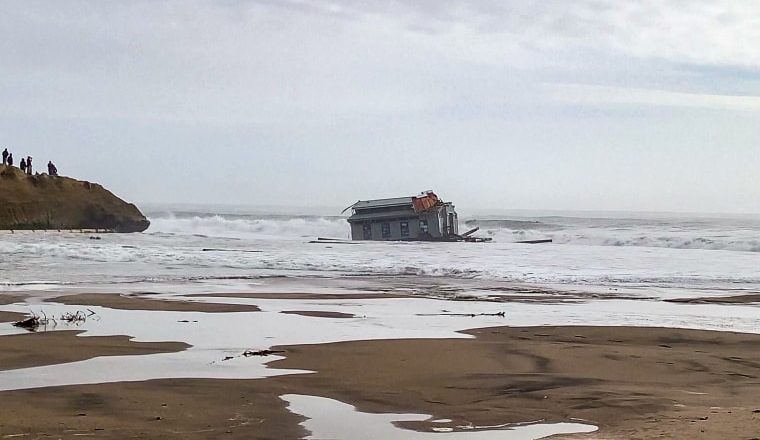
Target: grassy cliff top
[{"x": 46, "y": 202}]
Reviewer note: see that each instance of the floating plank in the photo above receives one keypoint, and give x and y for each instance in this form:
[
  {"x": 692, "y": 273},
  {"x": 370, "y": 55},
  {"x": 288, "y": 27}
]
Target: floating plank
[
  {"x": 471, "y": 231},
  {"x": 545, "y": 240},
  {"x": 229, "y": 250}
]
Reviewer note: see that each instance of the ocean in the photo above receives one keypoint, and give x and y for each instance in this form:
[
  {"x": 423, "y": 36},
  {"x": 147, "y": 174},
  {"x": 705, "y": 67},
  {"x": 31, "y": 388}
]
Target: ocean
[
  {"x": 601, "y": 269},
  {"x": 210, "y": 248}
]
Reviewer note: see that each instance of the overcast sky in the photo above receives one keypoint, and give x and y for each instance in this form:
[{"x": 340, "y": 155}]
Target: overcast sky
[{"x": 598, "y": 104}]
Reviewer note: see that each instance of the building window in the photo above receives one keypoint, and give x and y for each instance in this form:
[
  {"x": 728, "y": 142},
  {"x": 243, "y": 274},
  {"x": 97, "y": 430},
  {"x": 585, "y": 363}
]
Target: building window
[
  {"x": 423, "y": 226},
  {"x": 386, "y": 230},
  {"x": 404, "y": 229},
  {"x": 367, "y": 229}
]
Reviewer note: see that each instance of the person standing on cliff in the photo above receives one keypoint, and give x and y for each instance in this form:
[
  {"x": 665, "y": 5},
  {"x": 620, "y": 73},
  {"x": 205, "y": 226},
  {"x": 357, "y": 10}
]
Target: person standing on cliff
[
  {"x": 10, "y": 160},
  {"x": 22, "y": 165},
  {"x": 5, "y": 156},
  {"x": 29, "y": 165},
  {"x": 52, "y": 170}
]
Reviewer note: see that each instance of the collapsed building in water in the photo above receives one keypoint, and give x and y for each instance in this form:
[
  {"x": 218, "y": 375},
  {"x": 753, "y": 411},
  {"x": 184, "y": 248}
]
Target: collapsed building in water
[{"x": 424, "y": 217}]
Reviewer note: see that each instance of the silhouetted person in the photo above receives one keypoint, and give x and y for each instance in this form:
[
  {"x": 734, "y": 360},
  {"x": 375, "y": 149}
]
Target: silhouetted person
[
  {"x": 5, "y": 156},
  {"x": 22, "y": 165},
  {"x": 29, "y": 165},
  {"x": 10, "y": 160},
  {"x": 52, "y": 170}
]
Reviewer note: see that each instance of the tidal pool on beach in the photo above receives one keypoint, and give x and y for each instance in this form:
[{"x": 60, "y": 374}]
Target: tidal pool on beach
[
  {"x": 215, "y": 337},
  {"x": 419, "y": 341},
  {"x": 328, "y": 418}
]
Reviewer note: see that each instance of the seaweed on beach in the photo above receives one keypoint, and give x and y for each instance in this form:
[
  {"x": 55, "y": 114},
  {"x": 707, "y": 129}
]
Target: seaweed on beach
[
  {"x": 471, "y": 315},
  {"x": 79, "y": 317},
  {"x": 33, "y": 321},
  {"x": 250, "y": 353}
]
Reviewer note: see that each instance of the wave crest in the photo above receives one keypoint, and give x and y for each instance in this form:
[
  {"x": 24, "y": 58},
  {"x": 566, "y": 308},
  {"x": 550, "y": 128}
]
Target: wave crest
[
  {"x": 608, "y": 233},
  {"x": 251, "y": 227}
]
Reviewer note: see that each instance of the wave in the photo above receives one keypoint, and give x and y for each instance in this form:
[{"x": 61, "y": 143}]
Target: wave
[
  {"x": 588, "y": 232},
  {"x": 510, "y": 224},
  {"x": 275, "y": 227},
  {"x": 630, "y": 238},
  {"x": 611, "y": 232}
]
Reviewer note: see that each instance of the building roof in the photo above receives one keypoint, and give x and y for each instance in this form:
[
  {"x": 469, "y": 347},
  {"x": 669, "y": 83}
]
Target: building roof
[{"x": 381, "y": 203}]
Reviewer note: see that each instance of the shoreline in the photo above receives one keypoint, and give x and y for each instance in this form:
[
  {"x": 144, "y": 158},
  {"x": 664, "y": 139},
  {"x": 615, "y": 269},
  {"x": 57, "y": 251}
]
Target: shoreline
[
  {"x": 147, "y": 303},
  {"x": 631, "y": 382},
  {"x": 502, "y": 375}
]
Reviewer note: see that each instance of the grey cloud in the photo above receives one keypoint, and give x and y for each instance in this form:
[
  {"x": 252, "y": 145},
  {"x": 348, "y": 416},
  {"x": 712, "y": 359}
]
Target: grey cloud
[
  {"x": 324, "y": 99},
  {"x": 699, "y": 31}
]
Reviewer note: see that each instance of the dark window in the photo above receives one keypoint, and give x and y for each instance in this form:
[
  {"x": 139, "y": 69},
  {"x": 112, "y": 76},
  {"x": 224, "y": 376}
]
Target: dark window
[
  {"x": 423, "y": 226},
  {"x": 367, "y": 231},
  {"x": 386, "y": 230},
  {"x": 404, "y": 229}
]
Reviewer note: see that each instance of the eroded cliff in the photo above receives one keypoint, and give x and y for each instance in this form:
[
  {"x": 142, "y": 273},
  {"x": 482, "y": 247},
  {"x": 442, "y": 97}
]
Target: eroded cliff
[{"x": 46, "y": 202}]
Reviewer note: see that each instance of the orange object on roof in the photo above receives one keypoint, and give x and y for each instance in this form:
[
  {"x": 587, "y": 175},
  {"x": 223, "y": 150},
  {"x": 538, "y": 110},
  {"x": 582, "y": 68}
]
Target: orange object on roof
[{"x": 425, "y": 201}]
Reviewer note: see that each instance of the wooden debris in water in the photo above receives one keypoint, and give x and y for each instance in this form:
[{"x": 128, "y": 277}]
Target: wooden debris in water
[
  {"x": 471, "y": 315},
  {"x": 249, "y": 353}
]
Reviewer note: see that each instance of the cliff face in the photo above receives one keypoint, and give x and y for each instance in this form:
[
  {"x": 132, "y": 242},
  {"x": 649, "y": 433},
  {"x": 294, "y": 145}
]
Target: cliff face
[{"x": 46, "y": 202}]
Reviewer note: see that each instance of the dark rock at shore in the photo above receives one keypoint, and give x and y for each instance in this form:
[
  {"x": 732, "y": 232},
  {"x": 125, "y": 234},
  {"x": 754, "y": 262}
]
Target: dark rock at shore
[{"x": 52, "y": 202}]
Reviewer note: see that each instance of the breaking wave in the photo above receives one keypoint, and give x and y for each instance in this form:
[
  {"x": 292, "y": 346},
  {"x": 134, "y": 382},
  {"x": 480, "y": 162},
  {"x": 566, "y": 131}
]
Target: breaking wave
[
  {"x": 207, "y": 250},
  {"x": 265, "y": 227},
  {"x": 708, "y": 235},
  {"x": 673, "y": 233}
]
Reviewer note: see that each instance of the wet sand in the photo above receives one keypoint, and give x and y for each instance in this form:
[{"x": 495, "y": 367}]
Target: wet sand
[
  {"x": 144, "y": 302},
  {"x": 157, "y": 409},
  {"x": 56, "y": 347},
  {"x": 736, "y": 299},
  {"x": 11, "y": 316},
  {"x": 632, "y": 382},
  {"x": 10, "y": 299},
  {"x": 302, "y": 295},
  {"x": 504, "y": 296},
  {"x": 318, "y": 314},
  {"x": 635, "y": 383}
]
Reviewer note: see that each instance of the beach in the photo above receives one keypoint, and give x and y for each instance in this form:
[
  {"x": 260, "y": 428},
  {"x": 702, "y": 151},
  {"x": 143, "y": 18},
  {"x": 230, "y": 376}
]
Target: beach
[
  {"x": 379, "y": 220},
  {"x": 216, "y": 325},
  {"x": 629, "y": 382}
]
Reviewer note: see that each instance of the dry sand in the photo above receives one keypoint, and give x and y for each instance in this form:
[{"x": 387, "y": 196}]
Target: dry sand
[
  {"x": 144, "y": 302},
  {"x": 635, "y": 383}
]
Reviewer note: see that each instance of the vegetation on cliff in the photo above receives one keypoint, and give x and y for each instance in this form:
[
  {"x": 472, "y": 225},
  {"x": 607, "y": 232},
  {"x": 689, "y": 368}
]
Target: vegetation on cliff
[{"x": 51, "y": 202}]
